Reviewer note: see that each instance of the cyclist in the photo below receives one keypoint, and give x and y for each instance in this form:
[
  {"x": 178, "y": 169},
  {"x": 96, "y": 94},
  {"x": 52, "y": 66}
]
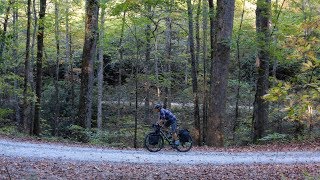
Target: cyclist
[{"x": 167, "y": 119}]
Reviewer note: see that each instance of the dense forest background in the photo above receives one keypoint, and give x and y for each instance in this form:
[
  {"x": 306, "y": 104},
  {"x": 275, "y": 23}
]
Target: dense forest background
[{"x": 233, "y": 72}]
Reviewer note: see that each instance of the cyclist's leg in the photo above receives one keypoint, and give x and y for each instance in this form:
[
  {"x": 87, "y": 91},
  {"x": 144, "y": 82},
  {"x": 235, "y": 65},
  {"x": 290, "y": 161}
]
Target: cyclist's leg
[{"x": 174, "y": 132}]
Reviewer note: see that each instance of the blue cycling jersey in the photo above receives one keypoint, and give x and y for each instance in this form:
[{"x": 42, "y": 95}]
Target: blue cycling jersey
[{"x": 167, "y": 115}]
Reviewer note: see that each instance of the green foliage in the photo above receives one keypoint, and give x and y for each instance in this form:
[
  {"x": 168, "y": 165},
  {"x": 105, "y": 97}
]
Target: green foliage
[
  {"x": 5, "y": 112},
  {"x": 79, "y": 134},
  {"x": 275, "y": 137}
]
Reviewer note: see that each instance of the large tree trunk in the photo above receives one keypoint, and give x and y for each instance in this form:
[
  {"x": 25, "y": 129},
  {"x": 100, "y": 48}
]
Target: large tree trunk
[
  {"x": 260, "y": 114},
  {"x": 88, "y": 56},
  {"x": 25, "y": 110},
  {"x": 219, "y": 73},
  {"x": 40, "y": 37},
  {"x": 100, "y": 71},
  {"x": 194, "y": 74},
  {"x": 204, "y": 49}
]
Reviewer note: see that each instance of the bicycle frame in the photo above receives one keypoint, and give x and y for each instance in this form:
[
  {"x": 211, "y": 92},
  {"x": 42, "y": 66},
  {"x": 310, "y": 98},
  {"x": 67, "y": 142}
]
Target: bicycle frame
[{"x": 158, "y": 129}]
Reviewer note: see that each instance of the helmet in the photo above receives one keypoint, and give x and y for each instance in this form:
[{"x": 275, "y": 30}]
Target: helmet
[{"x": 157, "y": 106}]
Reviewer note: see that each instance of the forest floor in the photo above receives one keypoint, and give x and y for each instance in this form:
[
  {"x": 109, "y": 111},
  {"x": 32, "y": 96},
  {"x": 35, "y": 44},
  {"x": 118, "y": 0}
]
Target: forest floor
[{"x": 36, "y": 159}]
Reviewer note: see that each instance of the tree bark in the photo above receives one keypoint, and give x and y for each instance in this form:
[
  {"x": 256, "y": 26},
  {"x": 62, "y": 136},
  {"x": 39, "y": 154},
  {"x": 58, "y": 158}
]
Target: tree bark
[
  {"x": 236, "y": 119},
  {"x": 56, "y": 79},
  {"x": 15, "y": 57},
  {"x": 204, "y": 49},
  {"x": 219, "y": 73},
  {"x": 260, "y": 114},
  {"x": 194, "y": 74},
  {"x": 4, "y": 31},
  {"x": 121, "y": 51},
  {"x": 25, "y": 122},
  {"x": 40, "y": 44},
  {"x": 88, "y": 56},
  {"x": 146, "y": 69},
  {"x": 100, "y": 70}
]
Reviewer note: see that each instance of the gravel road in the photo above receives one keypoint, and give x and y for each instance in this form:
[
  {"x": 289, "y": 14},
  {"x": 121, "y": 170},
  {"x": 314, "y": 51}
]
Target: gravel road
[{"x": 31, "y": 150}]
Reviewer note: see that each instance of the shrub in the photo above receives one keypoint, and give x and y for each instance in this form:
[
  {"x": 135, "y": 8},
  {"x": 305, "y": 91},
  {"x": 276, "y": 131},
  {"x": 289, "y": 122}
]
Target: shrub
[
  {"x": 79, "y": 133},
  {"x": 275, "y": 137}
]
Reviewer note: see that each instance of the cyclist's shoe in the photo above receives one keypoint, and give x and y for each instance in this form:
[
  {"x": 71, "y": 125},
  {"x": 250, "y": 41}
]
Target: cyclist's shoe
[{"x": 177, "y": 143}]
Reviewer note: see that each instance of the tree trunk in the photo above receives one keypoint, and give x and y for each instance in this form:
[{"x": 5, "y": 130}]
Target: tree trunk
[
  {"x": 260, "y": 114},
  {"x": 4, "y": 31},
  {"x": 88, "y": 56},
  {"x": 24, "y": 117},
  {"x": 40, "y": 37},
  {"x": 197, "y": 27},
  {"x": 15, "y": 57},
  {"x": 56, "y": 79},
  {"x": 194, "y": 74},
  {"x": 204, "y": 49},
  {"x": 32, "y": 69},
  {"x": 236, "y": 119},
  {"x": 146, "y": 69},
  {"x": 121, "y": 51},
  {"x": 168, "y": 56},
  {"x": 219, "y": 71},
  {"x": 100, "y": 71}
]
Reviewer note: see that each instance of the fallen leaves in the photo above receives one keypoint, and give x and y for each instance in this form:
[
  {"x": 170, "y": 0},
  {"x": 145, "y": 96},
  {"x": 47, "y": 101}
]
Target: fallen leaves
[{"x": 20, "y": 168}]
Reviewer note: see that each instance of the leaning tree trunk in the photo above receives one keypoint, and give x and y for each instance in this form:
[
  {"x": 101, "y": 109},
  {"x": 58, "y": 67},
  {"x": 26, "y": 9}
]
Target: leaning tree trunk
[
  {"x": 219, "y": 71},
  {"x": 260, "y": 114},
  {"x": 89, "y": 53},
  {"x": 40, "y": 37}
]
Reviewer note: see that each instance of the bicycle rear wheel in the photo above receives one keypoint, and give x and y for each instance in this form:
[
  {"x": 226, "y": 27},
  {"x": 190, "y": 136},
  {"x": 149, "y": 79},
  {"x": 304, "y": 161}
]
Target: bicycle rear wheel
[
  {"x": 151, "y": 145},
  {"x": 185, "y": 146}
]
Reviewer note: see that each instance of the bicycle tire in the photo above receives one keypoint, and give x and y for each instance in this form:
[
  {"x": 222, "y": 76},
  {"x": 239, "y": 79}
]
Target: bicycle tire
[
  {"x": 153, "y": 148},
  {"x": 185, "y": 146}
]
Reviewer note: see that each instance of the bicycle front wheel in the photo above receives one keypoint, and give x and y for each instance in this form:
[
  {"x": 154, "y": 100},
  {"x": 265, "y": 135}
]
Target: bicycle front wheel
[
  {"x": 153, "y": 142},
  {"x": 185, "y": 146}
]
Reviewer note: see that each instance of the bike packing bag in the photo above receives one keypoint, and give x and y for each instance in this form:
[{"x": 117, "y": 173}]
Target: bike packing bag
[{"x": 184, "y": 135}]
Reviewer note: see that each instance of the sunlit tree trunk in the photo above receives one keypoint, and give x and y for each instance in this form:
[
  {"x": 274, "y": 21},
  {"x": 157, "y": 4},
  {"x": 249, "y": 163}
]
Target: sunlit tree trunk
[{"x": 88, "y": 56}]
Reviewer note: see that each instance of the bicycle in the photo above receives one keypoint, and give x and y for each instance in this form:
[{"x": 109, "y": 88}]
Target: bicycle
[{"x": 154, "y": 141}]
